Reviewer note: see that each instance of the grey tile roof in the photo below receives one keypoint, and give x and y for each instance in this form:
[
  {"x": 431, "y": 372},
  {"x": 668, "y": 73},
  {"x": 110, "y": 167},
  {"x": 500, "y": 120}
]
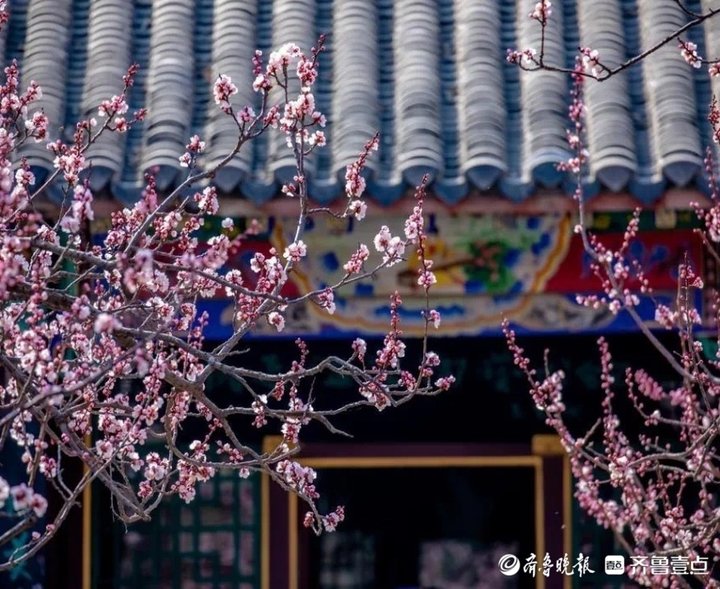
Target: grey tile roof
[{"x": 430, "y": 75}]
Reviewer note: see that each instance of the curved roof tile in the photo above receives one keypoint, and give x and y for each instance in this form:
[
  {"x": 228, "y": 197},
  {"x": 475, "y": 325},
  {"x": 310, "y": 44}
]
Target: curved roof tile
[
  {"x": 233, "y": 45},
  {"x": 544, "y": 101},
  {"x": 108, "y": 52},
  {"x": 417, "y": 89},
  {"x": 46, "y": 44},
  {"x": 674, "y": 136},
  {"x": 355, "y": 99},
  {"x": 169, "y": 93},
  {"x": 293, "y": 21},
  {"x": 611, "y": 138},
  {"x": 481, "y": 106},
  {"x": 429, "y": 75}
]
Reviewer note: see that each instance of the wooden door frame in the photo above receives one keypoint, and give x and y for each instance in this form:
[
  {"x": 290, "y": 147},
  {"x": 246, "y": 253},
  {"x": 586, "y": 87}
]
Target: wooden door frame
[{"x": 280, "y": 565}]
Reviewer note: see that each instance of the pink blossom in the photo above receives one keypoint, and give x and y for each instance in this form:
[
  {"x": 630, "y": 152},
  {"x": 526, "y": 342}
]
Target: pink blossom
[
  {"x": 358, "y": 258},
  {"x": 308, "y": 519},
  {"x": 306, "y": 71},
  {"x": 375, "y": 396},
  {"x": 317, "y": 138},
  {"x": 37, "y": 126},
  {"x": 298, "y": 477},
  {"x": 207, "y": 200},
  {"x": 326, "y": 299},
  {"x": 358, "y": 209},
  {"x": 542, "y": 11},
  {"x": 82, "y": 202},
  {"x": 115, "y": 106},
  {"x": 21, "y": 496},
  {"x": 246, "y": 114},
  {"x": 590, "y": 61},
  {"x": 71, "y": 164},
  {"x": 24, "y": 177},
  {"x": 355, "y": 183},
  {"x": 257, "y": 263},
  {"x": 261, "y": 83},
  {"x": 48, "y": 466},
  {"x": 196, "y": 145},
  {"x": 38, "y": 504},
  {"x": 690, "y": 54},
  {"x": 432, "y": 359},
  {"x": 434, "y": 318},
  {"x": 277, "y": 320},
  {"x": 280, "y": 59},
  {"x": 223, "y": 90},
  {"x": 295, "y": 251},
  {"x": 359, "y": 347},
  {"x": 414, "y": 225},
  {"x": 394, "y": 251},
  {"x": 332, "y": 519},
  {"x": 426, "y": 279},
  {"x": 382, "y": 239},
  {"x": 272, "y": 118},
  {"x": 105, "y": 323},
  {"x": 156, "y": 468},
  {"x": 444, "y": 383}
]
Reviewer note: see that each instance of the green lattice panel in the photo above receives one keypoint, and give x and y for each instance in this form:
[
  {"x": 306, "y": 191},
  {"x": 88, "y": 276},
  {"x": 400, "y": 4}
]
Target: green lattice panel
[{"x": 211, "y": 543}]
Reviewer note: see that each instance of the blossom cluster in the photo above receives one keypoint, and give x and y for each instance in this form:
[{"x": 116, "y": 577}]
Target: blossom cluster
[
  {"x": 22, "y": 499},
  {"x": 542, "y": 11},
  {"x": 689, "y": 53}
]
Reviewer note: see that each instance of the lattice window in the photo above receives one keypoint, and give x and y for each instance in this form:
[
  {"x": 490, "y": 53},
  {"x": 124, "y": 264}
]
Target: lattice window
[{"x": 211, "y": 543}]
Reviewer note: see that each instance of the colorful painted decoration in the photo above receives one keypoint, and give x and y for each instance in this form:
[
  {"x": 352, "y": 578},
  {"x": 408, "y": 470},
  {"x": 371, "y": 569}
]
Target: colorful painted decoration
[{"x": 525, "y": 268}]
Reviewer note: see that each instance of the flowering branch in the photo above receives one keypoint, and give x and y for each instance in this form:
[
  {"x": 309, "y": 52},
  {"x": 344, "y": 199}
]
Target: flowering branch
[
  {"x": 103, "y": 345},
  {"x": 655, "y": 486},
  {"x": 529, "y": 59}
]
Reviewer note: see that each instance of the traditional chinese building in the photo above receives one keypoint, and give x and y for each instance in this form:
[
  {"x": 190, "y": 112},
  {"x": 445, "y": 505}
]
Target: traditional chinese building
[{"x": 429, "y": 485}]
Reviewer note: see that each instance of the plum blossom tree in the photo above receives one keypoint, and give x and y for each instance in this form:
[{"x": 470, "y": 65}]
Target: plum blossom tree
[
  {"x": 102, "y": 344},
  {"x": 656, "y": 486}
]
